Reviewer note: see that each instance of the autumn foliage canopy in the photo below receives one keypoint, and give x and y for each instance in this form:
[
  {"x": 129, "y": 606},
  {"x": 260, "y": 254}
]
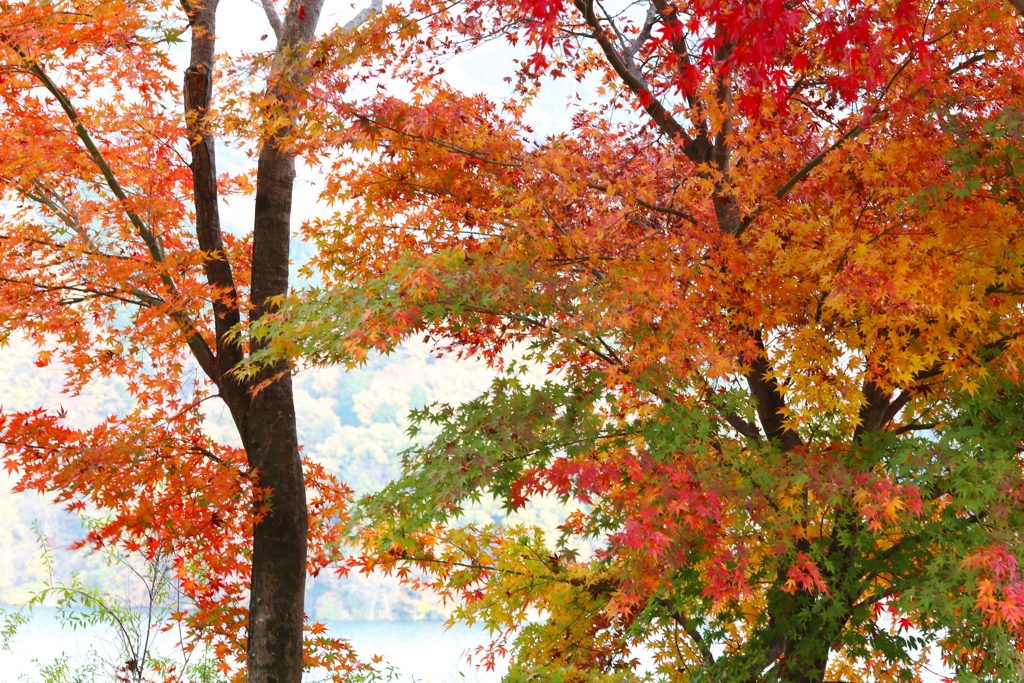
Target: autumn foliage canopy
[
  {"x": 114, "y": 263},
  {"x": 771, "y": 267}
]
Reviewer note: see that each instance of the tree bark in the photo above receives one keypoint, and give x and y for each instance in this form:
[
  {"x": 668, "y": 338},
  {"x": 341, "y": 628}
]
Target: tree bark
[
  {"x": 279, "y": 537},
  {"x": 198, "y": 91},
  {"x": 266, "y": 421},
  {"x": 276, "y": 601}
]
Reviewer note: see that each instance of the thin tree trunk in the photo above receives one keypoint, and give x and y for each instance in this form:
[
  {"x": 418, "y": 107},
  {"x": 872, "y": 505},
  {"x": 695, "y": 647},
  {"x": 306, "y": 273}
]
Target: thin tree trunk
[
  {"x": 279, "y": 537},
  {"x": 266, "y": 422}
]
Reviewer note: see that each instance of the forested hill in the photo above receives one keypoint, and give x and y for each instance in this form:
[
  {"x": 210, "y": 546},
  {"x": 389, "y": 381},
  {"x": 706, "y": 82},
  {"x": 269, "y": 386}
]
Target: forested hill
[{"x": 353, "y": 421}]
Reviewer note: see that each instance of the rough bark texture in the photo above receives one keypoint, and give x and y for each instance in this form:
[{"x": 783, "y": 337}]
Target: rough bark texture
[
  {"x": 198, "y": 90},
  {"x": 279, "y": 538},
  {"x": 266, "y": 422}
]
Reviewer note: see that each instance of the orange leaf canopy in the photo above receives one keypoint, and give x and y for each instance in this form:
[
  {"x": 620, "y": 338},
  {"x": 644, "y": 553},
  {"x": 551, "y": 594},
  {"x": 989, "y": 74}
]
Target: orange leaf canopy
[
  {"x": 101, "y": 268},
  {"x": 773, "y": 270}
]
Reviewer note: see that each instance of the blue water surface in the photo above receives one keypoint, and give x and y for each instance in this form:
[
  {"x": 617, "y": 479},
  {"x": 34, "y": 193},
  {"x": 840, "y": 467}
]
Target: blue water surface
[{"x": 422, "y": 651}]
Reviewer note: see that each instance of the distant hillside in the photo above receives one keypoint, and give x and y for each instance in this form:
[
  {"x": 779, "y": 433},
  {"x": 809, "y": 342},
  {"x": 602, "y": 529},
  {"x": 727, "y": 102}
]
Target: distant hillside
[{"x": 353, "y": 422}]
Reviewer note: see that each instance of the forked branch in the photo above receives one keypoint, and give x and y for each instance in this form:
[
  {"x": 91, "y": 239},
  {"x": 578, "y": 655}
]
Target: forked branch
[
  {"x": 200, "y": 349},
  {"x": 273, "y": 17}
]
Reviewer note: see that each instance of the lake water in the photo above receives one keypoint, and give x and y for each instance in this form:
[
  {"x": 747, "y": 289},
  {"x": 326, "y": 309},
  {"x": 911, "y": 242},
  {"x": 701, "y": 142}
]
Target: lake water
[
  {"x": 423, "y": 651},
  {"x": 420, "y": 651}
]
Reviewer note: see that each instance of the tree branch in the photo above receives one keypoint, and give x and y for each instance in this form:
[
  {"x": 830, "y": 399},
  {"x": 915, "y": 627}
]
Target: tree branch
[
  {"x": 645, "y": 33},
  {"x": 768, "y": 398},
  {"x": 152, "y": 241},
  {"x": 273, "y": 17},
  {"x": 198, "y": 91},
  {"x": 689, "y": 629},
  {"x": 848, "y": 135},
  {"x": 633, "y": 79},
  {"x": 913, "y": 427},
  {"x": 364, "y": 14},
  {"x": 872, "y": 413},
  {"x": 667, "y": 210},
  {"x": 735, "y": 421},
  {"x": 200, "y": 349}
]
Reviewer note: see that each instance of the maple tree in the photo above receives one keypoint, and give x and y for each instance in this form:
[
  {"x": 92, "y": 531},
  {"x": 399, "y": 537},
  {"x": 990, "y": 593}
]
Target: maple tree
[
  {"x": 774, "y": 271},
  {"x": 114, "y": 262}
]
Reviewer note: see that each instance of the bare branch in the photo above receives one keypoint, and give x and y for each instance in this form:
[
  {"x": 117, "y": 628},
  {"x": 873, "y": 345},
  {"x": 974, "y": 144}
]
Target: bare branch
[
  {"x": 375, "y": 7},
  {"x": 645, "y": 33},
  {"x": 630, "y": 75},
  {"x": 273, "y": 17}
]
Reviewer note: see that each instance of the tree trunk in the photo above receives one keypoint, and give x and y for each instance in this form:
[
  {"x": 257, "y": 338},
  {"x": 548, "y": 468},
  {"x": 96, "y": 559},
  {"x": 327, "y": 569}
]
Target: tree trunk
[
  {"x": 266, "y": 421},
  {"x": 279, "y": 537},
  {"x": 279, "y": 540}
]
